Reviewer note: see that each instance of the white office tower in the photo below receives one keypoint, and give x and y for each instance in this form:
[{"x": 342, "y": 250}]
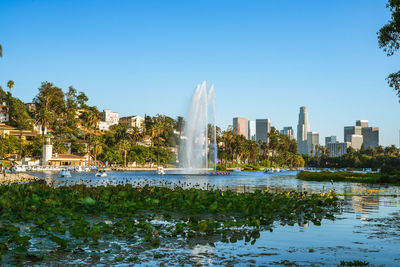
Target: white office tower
[
  {"x": 288, "y": 130},
  {"x": 252, "y": 130},
  {"x": 302, "y": 129},
  {"x": 312, "y": 143}
]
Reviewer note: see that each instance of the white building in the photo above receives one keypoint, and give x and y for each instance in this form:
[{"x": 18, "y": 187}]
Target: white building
[
  {"x": 108, "y": 118},
  {"x": 337, "y": 149},
  {"x": 312, "y": 143},
  {"x": 356, "y": 141},
  {"x": 132, "y": 121},
  {"x": 252, "y": 130},
  {"x": 288, "y": 131}
]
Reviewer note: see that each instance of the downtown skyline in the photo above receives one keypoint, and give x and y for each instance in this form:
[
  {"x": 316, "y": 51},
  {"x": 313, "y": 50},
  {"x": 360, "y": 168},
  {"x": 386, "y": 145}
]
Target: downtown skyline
[{"x": 138, "y": 65}]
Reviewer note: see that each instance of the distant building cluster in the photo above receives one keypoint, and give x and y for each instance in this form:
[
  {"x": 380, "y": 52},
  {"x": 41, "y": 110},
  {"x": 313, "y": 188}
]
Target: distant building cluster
[
  {"x": 357, "y": 136},
  {"x": 360, "y": 135}
]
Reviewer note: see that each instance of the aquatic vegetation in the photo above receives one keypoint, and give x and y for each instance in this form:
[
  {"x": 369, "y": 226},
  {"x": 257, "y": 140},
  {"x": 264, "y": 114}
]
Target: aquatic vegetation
[
  {"x": 354, "y": 263},
  {"x": 339, "y": 177},
  {"x": 38, "y": 221}
]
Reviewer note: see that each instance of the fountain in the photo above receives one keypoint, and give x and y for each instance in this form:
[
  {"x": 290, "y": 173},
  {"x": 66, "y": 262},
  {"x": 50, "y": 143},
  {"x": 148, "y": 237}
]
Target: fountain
[{"x": 198, "y": 150}]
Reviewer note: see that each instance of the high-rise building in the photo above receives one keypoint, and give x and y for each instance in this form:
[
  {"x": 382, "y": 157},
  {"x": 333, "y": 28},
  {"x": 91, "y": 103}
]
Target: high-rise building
[
  {"x": 350, "y": 130},
  {"x": 330, "y": 139},
  {"x": 288, "y": 131},
  {"x": 337, "y": 149},
  {"x": 252, "y": 130},
  {"x": 356, "y": 141},
  {"x": 362, "y": 123},
  {"x": 371, "y": 137},
  {"x": 240, "y": 126},
  {"x": 302, "y": 129},
  {"x": 263, "y": 127},
  {"x": 312, "y": 143}
]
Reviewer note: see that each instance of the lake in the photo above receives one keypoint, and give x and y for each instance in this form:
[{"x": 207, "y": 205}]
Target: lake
[{"x": 367, "y": 228}]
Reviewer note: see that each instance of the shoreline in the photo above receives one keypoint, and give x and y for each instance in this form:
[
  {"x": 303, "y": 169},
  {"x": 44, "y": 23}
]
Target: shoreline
[{"x": 18, "y": 178}]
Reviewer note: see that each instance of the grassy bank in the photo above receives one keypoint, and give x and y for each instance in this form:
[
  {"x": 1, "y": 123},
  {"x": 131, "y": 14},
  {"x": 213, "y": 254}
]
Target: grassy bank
[
  {"x": 43, "y": 224},
  {"x": 351, "y": 177}
]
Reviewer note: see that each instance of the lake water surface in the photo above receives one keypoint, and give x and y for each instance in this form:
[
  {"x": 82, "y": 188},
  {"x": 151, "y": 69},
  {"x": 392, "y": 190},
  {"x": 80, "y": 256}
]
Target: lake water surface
[{"x": 367, "y": 229}]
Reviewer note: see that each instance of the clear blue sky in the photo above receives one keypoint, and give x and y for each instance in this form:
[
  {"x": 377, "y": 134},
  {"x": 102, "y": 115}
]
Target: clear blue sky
[{"x": 265, "y": 58}]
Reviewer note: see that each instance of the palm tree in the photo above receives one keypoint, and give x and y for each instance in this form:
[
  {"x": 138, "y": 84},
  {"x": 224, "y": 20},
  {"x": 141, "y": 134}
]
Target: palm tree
[
  {"x": 137, "y": 134},
  {"x": 124, "y": 146},
  {"x": 179, "y": 125},
  {"x": 91, "y": 119},
  {"x": 97, "y": 148},
  {"x": 1, "y": 51},
  {"x": 10, "y": 84}
]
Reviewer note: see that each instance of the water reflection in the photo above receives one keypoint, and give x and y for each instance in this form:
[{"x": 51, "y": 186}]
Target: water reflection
[{"x": 357, "y": 234}]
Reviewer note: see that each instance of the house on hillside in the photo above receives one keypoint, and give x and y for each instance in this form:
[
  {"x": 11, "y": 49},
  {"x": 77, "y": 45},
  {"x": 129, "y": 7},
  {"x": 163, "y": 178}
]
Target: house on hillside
[
  {"x": 132, "y": 121},
  {"x": 9, "y": 130}
]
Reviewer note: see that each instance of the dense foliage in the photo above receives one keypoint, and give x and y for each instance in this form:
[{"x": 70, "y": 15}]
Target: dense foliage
[
  {"x": 280, "y": 150},
  {"x": 83, "y": 220},
  {"x": 387, "y": 159},
  {"x": 389, "y": 40}
]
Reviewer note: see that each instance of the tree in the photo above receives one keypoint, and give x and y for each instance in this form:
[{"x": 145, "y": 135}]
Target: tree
[
  {"x": 389, "y": 41},
  {"x": 10, "y": 84},
  {"x": 179, "y": 125},
  {"x": 137, "y": 135},
  {"x": 1, "y": 51},
  {"x": 97, "y": 148},
  {"x": 49, "y": 104},
  {"x": 91, "y": 118},
  {"x": 124, "y": 147},
  {"x": 19, "y": 115}
]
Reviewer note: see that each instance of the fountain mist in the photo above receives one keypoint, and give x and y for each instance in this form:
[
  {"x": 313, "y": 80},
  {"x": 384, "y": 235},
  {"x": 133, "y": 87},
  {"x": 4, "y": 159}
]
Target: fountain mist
[{"x": 199, "y": 148}]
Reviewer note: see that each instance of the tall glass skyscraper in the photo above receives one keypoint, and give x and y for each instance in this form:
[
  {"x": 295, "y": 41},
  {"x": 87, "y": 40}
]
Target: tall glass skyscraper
[
  {"x": 263, "y": 127},
  {"x": 302, "y": 129},
  {"x": 252, "y": 130}
]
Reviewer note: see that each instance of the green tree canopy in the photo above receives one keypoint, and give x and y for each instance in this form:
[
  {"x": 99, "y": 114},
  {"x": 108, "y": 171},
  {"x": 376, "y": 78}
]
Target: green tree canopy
[{"x": 389, "y": 41}]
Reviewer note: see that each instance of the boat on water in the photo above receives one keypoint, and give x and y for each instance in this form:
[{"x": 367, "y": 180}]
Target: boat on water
[
  {"x": 160, "y": 171},
  {"x": 272, "y": 170},
  {"x": 82, "y": 169},
  {"x": 65, "y": 173},
  {"x": 237, "y": 169},
  {"x": 101, "y": 173},
  {"x": 20, "y": 168}
]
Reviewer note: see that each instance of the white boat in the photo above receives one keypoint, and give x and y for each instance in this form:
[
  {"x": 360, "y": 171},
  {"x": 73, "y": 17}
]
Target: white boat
[
  {"x": 160, "y": 171},
  {"x": 237, "y": 169},
  {"x": 101, "y": 173},
  {"x": 82, "y": 169},
  {"x": 20, "y": 168},
  {"x": 65, "y": 173}
]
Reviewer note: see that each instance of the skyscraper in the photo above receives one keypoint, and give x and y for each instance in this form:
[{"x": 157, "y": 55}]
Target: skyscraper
[
  {"x": 302, "y": 129},
  {"x": 330, "y": 139},
  {"x": 252, "y": 130},
  {"x": 370, "y": 135},
  {"x": 263, "y": 127},
  {"x": 312, "y": 143},
  {"x": 362, "y": 123},
  {"x": 240, "y": 126},
  {"x": 288, "y": 131},
  {"x": 350, "y": 130}
]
